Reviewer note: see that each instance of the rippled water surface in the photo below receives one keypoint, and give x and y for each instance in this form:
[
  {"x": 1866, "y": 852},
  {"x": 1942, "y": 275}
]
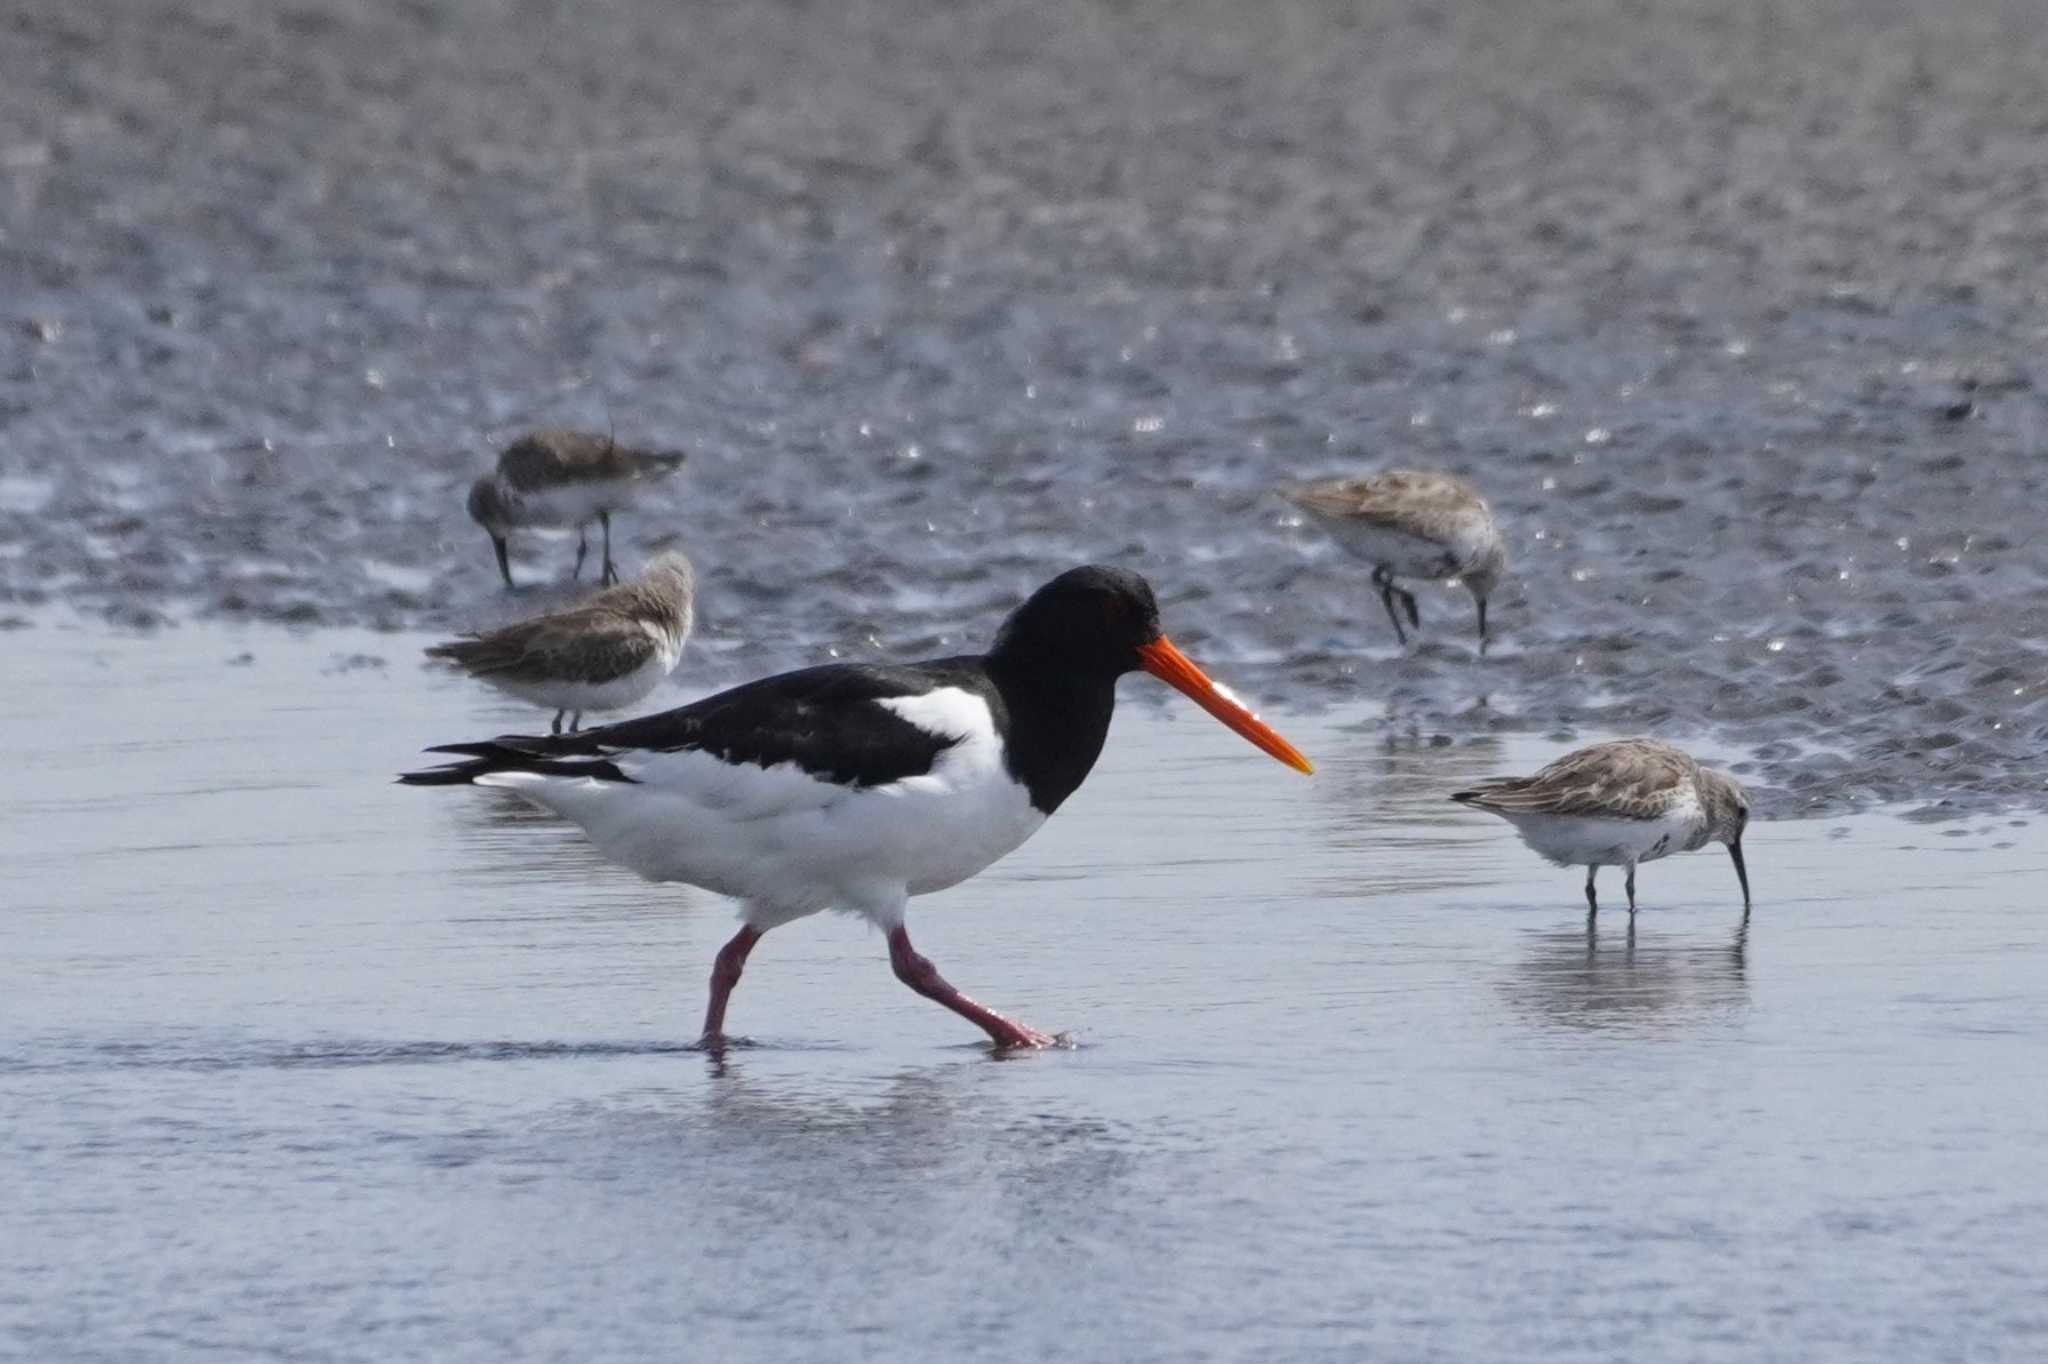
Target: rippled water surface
[{"x": 297, "y": 1063}]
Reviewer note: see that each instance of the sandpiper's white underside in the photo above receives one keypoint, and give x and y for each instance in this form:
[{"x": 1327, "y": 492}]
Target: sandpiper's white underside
[
  {"x": 1405, "y": 556},
  {"x": 620, "y": 692},
  {"x": 790, "y": 844},
  {"x": 575, "y": 504},
  {"x": 1593, "y": 841}
]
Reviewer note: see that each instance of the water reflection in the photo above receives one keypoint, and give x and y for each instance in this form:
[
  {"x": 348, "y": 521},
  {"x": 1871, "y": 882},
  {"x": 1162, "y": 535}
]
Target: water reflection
[
  {"x": 884, "y": 1143},
  {"x": 1604, "y": 974},
  {"x": 1391, "y": 823},
  {"x": 1380, "y": 779},
  {"x": 906, "y": 1122}
]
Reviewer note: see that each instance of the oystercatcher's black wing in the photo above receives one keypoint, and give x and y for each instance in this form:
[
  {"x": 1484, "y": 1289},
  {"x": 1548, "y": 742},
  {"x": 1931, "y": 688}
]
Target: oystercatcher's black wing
[{"x": 828, "y": 720}]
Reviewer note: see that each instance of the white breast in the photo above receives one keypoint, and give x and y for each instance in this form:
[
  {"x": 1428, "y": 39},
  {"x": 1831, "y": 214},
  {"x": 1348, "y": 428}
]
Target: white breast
[
  {"x": 968, "y": 810},
  {"x": 1473, "y": 537}
]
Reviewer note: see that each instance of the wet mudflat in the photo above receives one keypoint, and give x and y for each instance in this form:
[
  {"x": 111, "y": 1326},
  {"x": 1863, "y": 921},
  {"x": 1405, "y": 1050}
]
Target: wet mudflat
[
  {"x": 295, "y": 1063},
  {"x": 1736, "y": 312}
]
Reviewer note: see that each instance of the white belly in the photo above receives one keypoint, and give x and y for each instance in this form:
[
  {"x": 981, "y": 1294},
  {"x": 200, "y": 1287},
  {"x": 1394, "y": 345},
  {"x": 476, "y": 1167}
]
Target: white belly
[
  {"x": 574, "y": 504},
  {"x": 618, "y": 693},
  {"x": 791, "y": 843},
  {"x": 1582, "y": 841},
  {"x": 1405, "y": 556}
]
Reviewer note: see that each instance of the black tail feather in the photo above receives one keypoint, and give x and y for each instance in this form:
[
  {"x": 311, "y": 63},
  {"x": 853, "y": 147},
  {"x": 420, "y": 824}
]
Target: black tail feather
[
  {"x": 516, "y": 753},
  {"x": 473, "y": 750},
  {"x": 454, "y": 774}
]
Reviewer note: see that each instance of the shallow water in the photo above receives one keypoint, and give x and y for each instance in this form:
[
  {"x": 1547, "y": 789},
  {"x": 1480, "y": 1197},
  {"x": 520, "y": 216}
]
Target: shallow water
[{"x": 296, "y": 1063}]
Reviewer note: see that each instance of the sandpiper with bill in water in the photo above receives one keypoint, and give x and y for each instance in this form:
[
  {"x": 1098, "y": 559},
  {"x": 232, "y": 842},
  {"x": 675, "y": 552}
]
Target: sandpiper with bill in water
[
  {"x": 564, "y": 479},
  {"x": 1410, "y": 523},
  {"x": 1620, "y": 803}
]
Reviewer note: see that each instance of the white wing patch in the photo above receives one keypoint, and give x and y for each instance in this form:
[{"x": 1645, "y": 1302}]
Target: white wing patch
[{"x": 949, "y": 712}]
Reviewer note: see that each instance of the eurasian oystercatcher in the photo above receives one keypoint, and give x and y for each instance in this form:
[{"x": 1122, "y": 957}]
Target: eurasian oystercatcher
[
  {"x": 602, "y": 654},
  {"x": 1408, "y": 523},
  {"x": 857, "y": 786},
  {"x": 564, "y": 478},
  {"x": 1620, "y": 803}
]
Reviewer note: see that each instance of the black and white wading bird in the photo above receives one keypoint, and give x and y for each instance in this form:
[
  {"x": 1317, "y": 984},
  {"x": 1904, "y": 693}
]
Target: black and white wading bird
[
  {"x": 1617, "y": 804},
  {"x": 606, "y": 653},
  {"x": 1411, "y": 523},
  {"x": 857, "y": 786},
  {"x": 564, "y": 479}
]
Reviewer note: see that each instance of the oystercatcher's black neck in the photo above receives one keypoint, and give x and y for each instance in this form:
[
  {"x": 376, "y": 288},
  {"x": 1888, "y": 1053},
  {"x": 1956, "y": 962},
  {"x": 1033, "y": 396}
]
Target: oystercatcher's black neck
[
  {"x": 1052, "y": 725},
  {"x": 1055, "y": 664}
]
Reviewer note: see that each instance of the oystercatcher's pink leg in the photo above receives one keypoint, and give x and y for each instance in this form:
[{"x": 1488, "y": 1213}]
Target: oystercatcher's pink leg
[
  {"x": 725, "y": 973},
  {"x": 920, "y": 975}
]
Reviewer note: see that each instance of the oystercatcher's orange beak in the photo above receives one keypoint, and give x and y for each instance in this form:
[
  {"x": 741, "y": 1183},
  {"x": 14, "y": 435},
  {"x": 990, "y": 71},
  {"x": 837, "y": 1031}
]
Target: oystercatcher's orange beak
[{"x": 1178, "y": 671}]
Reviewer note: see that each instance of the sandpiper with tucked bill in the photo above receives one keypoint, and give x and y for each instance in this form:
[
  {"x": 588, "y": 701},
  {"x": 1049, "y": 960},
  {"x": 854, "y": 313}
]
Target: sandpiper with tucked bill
[
  {"x": 1620, "y": 803},
  {"x": 602, "y": 654},
  {"x": 564, "y": 479},
  {"x": 1410, "y": 523},
  {"x": 856, "y": 786}
]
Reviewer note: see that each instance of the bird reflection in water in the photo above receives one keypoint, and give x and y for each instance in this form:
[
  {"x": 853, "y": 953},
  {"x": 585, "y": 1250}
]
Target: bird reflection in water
[
  {"x": 774, "y": 1129},
  {"x": 1400, "y": 778},
  {"x": 1584, "y": 978}
]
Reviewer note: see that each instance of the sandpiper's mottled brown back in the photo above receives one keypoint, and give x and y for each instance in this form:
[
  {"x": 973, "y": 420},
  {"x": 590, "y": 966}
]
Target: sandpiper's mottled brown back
[
  {"x": 544, "y": 459},
  {"x": 1623, "y": 779},
  {"x": 1420, "y": 502},
  {"x": 595, "y": 641}
]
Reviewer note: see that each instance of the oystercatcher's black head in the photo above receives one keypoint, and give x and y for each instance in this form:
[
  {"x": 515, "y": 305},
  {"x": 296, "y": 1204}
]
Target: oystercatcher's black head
[
  {"x": 1101, "y": 622},
  {"x": 1087, "y": 620}
]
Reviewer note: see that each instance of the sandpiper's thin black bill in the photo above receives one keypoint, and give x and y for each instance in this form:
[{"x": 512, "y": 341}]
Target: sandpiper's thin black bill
[
  {"x": 1178, "y": 671},
  {"x": 1741, "y": 871}
]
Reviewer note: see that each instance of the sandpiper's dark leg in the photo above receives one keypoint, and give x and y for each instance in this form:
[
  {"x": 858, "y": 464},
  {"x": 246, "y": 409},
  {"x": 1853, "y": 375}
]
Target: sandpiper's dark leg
[
  {"x": 920, "y": 975},
  {"x": 1384, "y": 581},
  {"x": 1482, "y": 623},
  {"x": 1631, "y": 883},
  {"x": 1408, "y": 605},
  {"x": 504, "y": 559},
  {"x": 725, "y": 973},
  {"x": 582, "y": 549},
  {"x": 1592, "y": 900},
  {"x": 576, "y": 722},
  {"x": 611, "y": 570},
  {"x": 556, "y": 728}
]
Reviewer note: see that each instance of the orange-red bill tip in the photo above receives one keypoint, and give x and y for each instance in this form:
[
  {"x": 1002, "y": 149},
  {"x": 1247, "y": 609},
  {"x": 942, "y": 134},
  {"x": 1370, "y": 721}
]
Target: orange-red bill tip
[{"x": 1178, "y": 671}]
